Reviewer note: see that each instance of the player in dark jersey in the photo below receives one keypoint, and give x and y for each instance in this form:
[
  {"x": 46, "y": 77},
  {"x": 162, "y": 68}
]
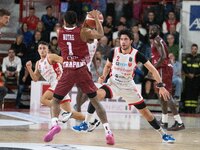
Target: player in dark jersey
[
  {"x": 72, "y": 41},
  {"x": 161, "y": 62},
  {"x": 121, "y": 64}
]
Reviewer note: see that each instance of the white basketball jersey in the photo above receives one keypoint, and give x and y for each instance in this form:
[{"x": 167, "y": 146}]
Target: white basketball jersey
[
  {"x": 123, "y": 67},
  {"x": 92, "y": 49},
  {"x": 51, "y": 73}
]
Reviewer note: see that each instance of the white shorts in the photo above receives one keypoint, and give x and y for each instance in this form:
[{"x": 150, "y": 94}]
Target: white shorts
[{"x": 130, "y": 94}]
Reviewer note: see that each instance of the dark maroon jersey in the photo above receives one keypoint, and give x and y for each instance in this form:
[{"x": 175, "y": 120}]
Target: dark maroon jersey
[
  {"x": 73, "y": 50},
  {"x": 156, "y": 55}
]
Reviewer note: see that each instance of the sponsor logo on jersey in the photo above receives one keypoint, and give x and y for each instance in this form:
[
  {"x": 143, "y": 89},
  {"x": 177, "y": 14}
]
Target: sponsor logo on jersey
[
  {"x": 120, "y": 64},
  {"x": 194, "y": 18}
]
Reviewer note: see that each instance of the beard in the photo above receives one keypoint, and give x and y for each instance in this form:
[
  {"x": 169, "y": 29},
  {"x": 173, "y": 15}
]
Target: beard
[{"x": 152, "y": 36}]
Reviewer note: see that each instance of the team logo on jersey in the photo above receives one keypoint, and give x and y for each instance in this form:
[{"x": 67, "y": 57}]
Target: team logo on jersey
[
  {"x": 194, "y": 18},
  {"x": 130, "y": 61}
]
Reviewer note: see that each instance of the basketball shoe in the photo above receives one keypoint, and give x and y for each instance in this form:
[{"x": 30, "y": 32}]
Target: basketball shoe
[
  {"x": 168, "y": 138},
  {"x": 163, "y": 125},
  {"x": 110, "y": 139},
  {"x": 84, "y": 127},
  {"x": 65, "y": 116},
  {"x": 176, "y": 126},
  {"x": 53, "y": 131},
  {"x": 93, "y": 125}
]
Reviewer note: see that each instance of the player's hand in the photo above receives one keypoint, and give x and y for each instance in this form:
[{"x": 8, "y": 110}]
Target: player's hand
[
  {"x": 94, "y": 13},
  {"x": 29, "y": 64},
  {"x": 164, "y": 93},
  {"x": 101, "y": 79}
]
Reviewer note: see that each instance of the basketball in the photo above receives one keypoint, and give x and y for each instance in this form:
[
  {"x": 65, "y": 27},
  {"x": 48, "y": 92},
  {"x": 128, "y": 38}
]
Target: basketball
[{"x": 89, "y": 20}]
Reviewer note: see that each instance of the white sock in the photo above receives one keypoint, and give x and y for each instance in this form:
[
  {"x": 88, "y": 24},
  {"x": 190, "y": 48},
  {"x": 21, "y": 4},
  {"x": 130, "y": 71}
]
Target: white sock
[
  {"x": 54, "y": 121},
  {"x": 161, "y": 131},
  {"x": 88, "y": 117},
  {"x": 178, "y": 119},
  {"x": 107, "y": 128},
  {"x": 164, "y": 118}
]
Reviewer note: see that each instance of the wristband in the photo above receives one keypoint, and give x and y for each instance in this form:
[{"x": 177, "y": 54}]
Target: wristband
[{"x": 159, "y": 85}]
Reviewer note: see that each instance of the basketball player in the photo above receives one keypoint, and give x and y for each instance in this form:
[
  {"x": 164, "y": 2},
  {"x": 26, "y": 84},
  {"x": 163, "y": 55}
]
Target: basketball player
[
  {"x": 72, "y": 41},
  {"x": 49, "y": 67},
  {"x": 161, "y": 62},
  {"x": 122, "y": 62}
]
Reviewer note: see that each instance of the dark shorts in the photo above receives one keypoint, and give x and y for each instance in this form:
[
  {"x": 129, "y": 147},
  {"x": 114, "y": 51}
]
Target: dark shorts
[
  {"x": 166, "y": 74},
  {"x": 81, "y": 77}
]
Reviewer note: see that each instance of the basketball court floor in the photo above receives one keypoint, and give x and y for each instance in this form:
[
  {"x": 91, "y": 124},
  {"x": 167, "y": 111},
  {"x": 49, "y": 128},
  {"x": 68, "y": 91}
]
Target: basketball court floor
[{"x": 24, "y": 130}]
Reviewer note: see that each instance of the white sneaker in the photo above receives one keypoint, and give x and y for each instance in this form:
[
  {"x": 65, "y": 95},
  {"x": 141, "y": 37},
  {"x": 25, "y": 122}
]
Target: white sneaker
[
  {"x": 66, "y": 116},
  {"x": 93, "y": 125}
]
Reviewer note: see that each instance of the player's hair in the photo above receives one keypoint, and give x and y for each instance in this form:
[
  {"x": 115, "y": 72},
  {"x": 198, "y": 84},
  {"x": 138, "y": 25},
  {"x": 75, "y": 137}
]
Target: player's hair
[
  {"x": 49, "y": 6},
  {"x": 4, "y": 12},
  {"x": 70, "y": 17},
  {"x": 32, "y": 8},
  {"x": 43, "y": 43},
  {"x": 127, "y": 32}
]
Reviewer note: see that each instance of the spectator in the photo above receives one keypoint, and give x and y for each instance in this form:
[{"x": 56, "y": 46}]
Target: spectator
[
  {"x": 103, "y": 47},
  {"x": 170, "y": 21},
  {"x": 49, "y": 20},
  {"x": 135, "y": 29},
  {"x": 191, "y": 70},
  {"x": 121, "y": 26},
  {"x": 44, "y": 34},
  {"x": 149, "y": 20},
  {"x": 172, "y": 47},
  {"x": 54, "y": 32},
  {"x": 31, "y": 20},
  {"x": 54, "y": 46},
  {"x": 172, "y": 30},
  {"x": 108, "y": 33},
  {"x": 19, "y": 47},
  {"x": 177, "y": 77},
  {"x": 27, "y": 35},
  {"x": 32, "y": 50},
  {"x": 11, "y": 66}
]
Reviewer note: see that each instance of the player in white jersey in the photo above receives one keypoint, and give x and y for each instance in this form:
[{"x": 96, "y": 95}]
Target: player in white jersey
[
  {"x": 122, "y": 63},
  {"x": 49, "y": 67}
]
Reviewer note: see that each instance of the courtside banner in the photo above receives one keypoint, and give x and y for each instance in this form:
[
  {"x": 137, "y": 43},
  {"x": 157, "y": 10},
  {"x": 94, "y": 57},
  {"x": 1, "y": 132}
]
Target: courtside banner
[
  {"x": 194, "y": 18},
  {"x": 190, "y": 24}
]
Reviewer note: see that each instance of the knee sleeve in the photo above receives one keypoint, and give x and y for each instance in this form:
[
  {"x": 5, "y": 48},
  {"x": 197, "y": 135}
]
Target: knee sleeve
[
  {"x": 92, "y": 95},
  {"x": 108, "y": 92}
]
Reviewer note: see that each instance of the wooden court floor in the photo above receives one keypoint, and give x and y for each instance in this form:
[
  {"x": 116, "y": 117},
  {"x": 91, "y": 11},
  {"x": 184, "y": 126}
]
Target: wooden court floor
[{"x": 131, "y": 132}]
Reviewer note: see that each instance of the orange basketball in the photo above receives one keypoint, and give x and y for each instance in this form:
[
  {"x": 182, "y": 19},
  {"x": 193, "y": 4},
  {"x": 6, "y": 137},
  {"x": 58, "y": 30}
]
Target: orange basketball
[{"x": 89, "y": 20}]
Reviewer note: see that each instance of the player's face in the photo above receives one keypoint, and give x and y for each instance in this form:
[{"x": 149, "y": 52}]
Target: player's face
[
  {"x": 43, "y": 50},
  {"x": 125, "y": 42},
  {"x": 153, "y": 32},
  {"x": 194, "y": 50},
  {"x": 4, "y": 20}
]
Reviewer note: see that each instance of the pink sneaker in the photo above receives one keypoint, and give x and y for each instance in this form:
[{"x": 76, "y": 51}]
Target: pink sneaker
[
  {"x": 54, "y": 130},
  {"x": 110, "y": 139}
]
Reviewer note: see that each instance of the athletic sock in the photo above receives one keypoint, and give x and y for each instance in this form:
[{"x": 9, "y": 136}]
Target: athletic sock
[
  {"x": 54, "y": 121},
  {"x": 154, "y": 123},
  {"x": 178, "y": 119},
  {"x": 88, "y": 117},
  {"x": 164, "y": 118},
  {"x": 107, "y": 128}
]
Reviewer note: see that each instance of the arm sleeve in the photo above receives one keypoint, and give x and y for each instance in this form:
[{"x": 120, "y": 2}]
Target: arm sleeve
[
  {"x": 141, "y": 58},
  {"x": 111, "y": 55}
]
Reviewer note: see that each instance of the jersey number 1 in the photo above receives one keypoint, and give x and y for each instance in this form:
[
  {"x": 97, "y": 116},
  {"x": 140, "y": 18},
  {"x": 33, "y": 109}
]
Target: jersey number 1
[{"x": 69, "y": 44}]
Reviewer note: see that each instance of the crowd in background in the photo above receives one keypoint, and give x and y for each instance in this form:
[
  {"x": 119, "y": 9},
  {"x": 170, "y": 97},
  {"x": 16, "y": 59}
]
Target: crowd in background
[{"x": 118, "y": 15}]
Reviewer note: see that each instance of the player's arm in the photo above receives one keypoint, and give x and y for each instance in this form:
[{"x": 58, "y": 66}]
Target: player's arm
[
  {"x": 161, "y": 49},
  {"x": 97, "y": 33},
  {"x": 34, "y": 75},
  {"x": 107, "y": 67},
  {"x": 54, "y": 58}
]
